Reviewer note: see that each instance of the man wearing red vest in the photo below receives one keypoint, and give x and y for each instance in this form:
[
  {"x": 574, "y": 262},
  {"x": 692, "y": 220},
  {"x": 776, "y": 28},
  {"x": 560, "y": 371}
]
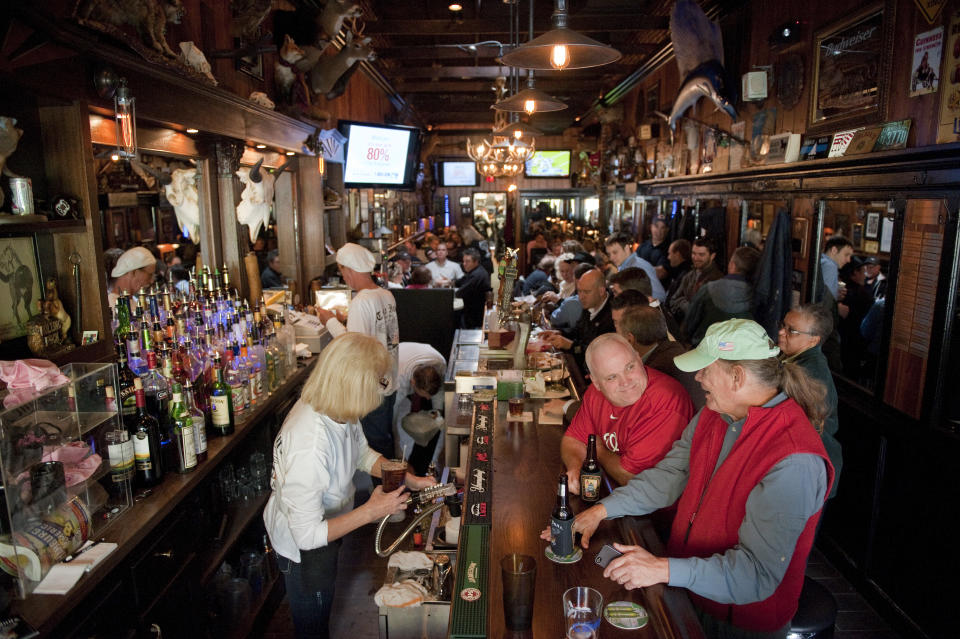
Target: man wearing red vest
[{"x": 749, "y": 476}]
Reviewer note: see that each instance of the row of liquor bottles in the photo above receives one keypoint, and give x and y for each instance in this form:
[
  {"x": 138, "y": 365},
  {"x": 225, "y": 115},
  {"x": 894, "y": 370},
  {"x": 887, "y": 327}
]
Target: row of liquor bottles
[{"x": 190, "y": 363}]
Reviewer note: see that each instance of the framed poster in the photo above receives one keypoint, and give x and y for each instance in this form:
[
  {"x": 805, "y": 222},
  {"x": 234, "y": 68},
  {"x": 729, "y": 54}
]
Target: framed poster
[
  {"x": 801, "y": 237},
  {"x": 872, "y": 228},
  {"x": 851, "y": 68},
  {"x": 652, "y": 99},
  {"x": 20, "y": 287}
]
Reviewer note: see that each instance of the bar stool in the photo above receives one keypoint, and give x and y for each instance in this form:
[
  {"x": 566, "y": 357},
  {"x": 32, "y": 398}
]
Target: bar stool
[{"x": 816, "y": 612}]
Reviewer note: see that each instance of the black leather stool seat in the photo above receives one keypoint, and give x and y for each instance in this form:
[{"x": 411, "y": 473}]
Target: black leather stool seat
[{"x": 816, "y": 612}]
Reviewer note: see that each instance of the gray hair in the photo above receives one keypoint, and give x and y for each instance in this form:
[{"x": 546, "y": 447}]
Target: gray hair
[
  {"x": 599, "y": 342},
  {"x": 821, "y": 318}
]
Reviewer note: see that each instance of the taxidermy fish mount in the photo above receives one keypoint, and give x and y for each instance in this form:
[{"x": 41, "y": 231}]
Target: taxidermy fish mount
[{"x": 698, "y": 48}]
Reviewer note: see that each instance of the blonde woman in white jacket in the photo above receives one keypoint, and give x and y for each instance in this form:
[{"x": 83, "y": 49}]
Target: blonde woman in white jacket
[{"x": 315, "y": 454}]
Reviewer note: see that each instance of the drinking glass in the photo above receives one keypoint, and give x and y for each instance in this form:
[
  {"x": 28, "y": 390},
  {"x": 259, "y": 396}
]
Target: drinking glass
[
  {"x": 583, "y": 610},
  {"x": 519, "y": 574},
  {"x": 392, "y": 473}
]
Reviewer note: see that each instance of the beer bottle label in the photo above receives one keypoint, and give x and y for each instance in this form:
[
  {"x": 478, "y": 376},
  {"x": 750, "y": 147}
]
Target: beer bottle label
[{"x": 589, "y": 487}]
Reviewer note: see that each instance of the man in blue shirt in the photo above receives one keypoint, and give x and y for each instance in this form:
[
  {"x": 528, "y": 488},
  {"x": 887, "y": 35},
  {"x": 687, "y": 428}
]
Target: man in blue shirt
[
  {"x": 654, "y": 248},
  {"x": 836, "y": 254},
  {"x": 620, "y": 251}
]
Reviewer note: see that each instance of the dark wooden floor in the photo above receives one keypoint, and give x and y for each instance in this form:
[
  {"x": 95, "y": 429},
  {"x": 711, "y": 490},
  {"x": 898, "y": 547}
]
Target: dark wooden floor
[{"x": 355, "y": 616}]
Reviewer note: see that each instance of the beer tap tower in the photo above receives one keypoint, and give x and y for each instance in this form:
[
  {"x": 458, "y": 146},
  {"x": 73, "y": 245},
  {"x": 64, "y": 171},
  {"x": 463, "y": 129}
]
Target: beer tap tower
[{"x": 507, "y": 276}]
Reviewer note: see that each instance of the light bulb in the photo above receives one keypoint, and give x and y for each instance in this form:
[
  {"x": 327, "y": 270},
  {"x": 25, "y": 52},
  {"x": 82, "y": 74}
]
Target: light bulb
[
  {"x": 559, "y": 56},
  {"x": 481, "y": 149},
  {"x": 530, "y": 106},
  {"x": 517, "y": 133}
]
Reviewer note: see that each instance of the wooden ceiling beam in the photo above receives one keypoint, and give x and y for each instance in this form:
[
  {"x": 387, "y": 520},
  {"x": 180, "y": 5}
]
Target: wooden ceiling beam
[
  {"x": 482, "y": 87},
  {"x": 633, "y": 21},
  {"x": 485, "y": 54},
  {"x": 473, "y": 72}
]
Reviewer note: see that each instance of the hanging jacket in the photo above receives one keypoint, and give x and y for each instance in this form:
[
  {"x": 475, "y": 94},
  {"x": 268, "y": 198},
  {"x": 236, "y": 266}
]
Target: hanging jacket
[{"x": 772, "y": 294}]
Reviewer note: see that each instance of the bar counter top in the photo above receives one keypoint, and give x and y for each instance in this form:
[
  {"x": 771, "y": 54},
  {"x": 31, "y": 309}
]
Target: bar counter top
[{"x": 526, "y": 466}]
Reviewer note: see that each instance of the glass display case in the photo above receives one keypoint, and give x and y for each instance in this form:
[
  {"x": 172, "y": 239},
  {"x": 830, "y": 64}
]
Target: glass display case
[{"x": 67, "y": 463}]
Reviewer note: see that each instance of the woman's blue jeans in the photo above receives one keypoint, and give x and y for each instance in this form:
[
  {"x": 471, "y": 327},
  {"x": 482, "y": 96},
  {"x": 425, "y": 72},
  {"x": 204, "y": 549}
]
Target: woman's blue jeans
[{"x": 310, "y": 587}]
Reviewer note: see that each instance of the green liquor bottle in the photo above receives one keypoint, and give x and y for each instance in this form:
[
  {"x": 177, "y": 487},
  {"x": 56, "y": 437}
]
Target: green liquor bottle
[{"x": 221, "y": 402}]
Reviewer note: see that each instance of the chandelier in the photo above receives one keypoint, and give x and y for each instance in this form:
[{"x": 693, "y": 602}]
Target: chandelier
[{"x": 510, "y": 146}]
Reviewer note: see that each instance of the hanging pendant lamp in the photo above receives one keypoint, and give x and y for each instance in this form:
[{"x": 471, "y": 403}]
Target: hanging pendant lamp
[
  {"x": 531, "y": 100},
  {"x": 519, "y": 130},
  {"x": 561, "y": 48}
]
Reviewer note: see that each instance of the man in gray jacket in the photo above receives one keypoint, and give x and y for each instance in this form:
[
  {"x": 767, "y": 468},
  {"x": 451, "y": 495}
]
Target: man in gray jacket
[{"x": 730, "y": 297}]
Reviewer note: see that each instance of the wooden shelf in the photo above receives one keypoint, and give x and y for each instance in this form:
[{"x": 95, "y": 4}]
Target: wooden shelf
[
  {"x": 329, "y": 207},
  {"x": 240, "y": 517},
  {"x": 49, "y": 227},
  {"x": 270, "y": 591}
]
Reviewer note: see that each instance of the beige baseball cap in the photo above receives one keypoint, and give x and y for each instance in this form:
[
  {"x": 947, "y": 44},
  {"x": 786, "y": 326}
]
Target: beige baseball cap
[{"x": 131, "y": 260}]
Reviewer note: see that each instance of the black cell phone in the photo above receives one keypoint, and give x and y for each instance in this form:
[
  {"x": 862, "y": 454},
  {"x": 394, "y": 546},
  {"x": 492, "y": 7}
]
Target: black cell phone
[{"x": 607, "y": 554}]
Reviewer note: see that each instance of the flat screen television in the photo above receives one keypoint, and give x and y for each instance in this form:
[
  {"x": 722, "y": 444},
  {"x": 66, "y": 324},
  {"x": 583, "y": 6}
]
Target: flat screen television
[
  {"x": 383, "y": 156},
  {"x": 458, "y": 173},
  {"x": 548, "y": 164}
]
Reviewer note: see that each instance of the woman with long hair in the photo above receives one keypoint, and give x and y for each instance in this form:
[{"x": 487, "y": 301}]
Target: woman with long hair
[{"x": 319, "y": 447}]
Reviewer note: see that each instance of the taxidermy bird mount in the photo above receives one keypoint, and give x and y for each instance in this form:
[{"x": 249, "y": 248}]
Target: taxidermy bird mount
[{"x": 698, "y": 48}]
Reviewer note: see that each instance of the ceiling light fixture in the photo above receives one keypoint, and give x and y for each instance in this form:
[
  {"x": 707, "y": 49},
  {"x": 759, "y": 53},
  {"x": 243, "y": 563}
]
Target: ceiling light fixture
[
  {"x": 519, "y": 130},
  {"x": 455, "y": 7},
  {"x": 261, "y": 146},
  {"x": 561, "y": 48},
  {"x": 192, "y": 131},
  {"x": 531, "y": 100},
  {"x": 289, "y": 153}
]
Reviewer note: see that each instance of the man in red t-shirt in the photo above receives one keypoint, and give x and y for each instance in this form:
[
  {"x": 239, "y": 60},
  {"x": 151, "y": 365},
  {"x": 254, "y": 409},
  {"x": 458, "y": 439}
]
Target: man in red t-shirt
[{"x": 636, "y": 413}]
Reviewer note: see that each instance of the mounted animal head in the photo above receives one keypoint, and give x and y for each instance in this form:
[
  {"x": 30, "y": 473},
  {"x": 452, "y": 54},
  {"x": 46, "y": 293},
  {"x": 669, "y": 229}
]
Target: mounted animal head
[
  {"x": 335, "y": 13},
  {"x": 256, "y": 200},
  {"x": 289, "y": 51},
  {"x": 324, "y": 75},
  {"x": 173, "y": 10},
  {"x": 183, "y": 194}
]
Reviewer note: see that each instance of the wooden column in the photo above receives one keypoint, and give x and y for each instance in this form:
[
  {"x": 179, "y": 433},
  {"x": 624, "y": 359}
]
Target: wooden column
[
  {"x": 286, "y": 208},
  {"x": 210, "y": 248},
  {"x": 234, "y": 239},
  {"x": 68, "y": 156},
  {"x": 313, "y": 233}
]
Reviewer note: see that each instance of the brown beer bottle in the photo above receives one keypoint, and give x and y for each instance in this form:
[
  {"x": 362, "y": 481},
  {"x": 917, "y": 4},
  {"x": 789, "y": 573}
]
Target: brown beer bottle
[{"x": 590, "y": 473}]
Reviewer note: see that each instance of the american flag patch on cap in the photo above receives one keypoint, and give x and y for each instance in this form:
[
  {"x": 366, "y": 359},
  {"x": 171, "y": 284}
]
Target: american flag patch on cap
[{"x": 725, "y": 346}]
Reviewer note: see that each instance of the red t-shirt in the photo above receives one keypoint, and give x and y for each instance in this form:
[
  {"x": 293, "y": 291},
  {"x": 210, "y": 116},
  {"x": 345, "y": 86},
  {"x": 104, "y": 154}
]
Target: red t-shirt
[{"x": 641, "y": 433}]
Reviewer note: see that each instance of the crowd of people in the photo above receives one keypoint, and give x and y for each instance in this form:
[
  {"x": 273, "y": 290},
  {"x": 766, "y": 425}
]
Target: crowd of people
[{"x": 697, "y": 410}]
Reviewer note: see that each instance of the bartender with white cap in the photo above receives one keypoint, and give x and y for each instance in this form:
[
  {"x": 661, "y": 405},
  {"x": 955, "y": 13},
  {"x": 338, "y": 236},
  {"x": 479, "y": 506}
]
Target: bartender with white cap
[
  {"x": 134, "y": 270},
  {"x": 373, "y": 312}
]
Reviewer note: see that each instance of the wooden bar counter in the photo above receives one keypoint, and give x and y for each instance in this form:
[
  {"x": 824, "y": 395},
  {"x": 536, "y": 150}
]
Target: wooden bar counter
[{"x": 526, "y": 467}]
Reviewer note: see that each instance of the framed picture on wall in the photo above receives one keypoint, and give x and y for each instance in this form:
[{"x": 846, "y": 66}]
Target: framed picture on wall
[
  {"x": 851, "y": 67},
  {"x": 20, "y": 287},
  {"x": 800, "y": 234},
  {"x": 652, "y": 99},
  {"x": 872, "y": 228}
]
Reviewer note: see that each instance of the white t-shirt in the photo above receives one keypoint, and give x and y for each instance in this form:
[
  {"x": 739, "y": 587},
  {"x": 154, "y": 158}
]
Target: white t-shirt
[
  {"x": 314, "y": 459},
  {"x": 450, "y": 271},
  {"x": 373, "y": 311},
  {"x": 412, "y": 356}
]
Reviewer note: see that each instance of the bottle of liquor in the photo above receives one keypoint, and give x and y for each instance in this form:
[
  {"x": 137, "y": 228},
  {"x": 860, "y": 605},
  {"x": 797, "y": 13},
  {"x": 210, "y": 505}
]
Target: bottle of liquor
[
  {"x": 221, "y": 406},
  {"x": 238, "y": 377},
  {"x": 126, "y": 399},
  {"x": 137, "y": 364},
  {"x": 561, "y": 522},
  {"x": 254, "y": 385},
  {"x": 146, "y": 442},
  {"x": 123, "y": 315},
  {"x": 184, "y": 441},
  {"x": 590, "y": 473},
  {"x": 199, "y": 423}
]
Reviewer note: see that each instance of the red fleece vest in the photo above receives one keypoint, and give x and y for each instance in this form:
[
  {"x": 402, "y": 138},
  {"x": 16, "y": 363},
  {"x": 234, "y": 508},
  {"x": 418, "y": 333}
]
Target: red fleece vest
[{"x": 711, "y": 510}]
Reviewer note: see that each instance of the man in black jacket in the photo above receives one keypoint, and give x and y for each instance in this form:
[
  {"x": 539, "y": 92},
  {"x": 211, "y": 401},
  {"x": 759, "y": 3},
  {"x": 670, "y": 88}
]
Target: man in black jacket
[
  {"x": 472, "y": 288},
  {"x": 595, "y": 319}
]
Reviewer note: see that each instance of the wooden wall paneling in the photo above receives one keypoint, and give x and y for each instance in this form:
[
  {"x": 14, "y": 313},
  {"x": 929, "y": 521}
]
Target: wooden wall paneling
[
  {"x": 311, "y": 221},
  {"x": 912, "y": 324},
  {"x": 68, "y": 154}
]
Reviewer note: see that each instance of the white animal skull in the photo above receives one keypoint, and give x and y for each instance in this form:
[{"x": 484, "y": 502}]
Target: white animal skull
[
  {"x": 183, "y": 194},
  {"x": 255, "y": 201}
]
